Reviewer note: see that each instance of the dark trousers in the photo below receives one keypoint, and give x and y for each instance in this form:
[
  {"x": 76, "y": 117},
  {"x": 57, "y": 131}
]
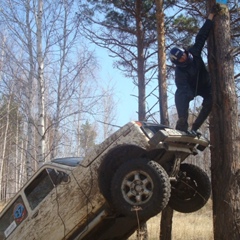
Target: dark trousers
[{"x": 182, "y": 100}]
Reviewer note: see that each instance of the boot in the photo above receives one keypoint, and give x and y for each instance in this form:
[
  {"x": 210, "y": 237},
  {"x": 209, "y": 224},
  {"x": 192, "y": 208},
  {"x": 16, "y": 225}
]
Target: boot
[{"x": 182, "y": 124}]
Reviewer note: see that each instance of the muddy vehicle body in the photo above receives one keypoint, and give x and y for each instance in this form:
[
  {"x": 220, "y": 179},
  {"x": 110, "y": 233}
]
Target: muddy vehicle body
[{"x": 125, "y": 180}]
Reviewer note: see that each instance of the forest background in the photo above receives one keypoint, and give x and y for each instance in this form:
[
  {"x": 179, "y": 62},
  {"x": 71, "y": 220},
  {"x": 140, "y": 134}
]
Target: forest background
[{"x": 69, "y": 75}]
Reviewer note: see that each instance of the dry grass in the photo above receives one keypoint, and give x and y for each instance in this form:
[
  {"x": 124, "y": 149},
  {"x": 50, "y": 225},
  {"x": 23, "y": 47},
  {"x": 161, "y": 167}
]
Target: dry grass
[{"x": 191, "y": 226}]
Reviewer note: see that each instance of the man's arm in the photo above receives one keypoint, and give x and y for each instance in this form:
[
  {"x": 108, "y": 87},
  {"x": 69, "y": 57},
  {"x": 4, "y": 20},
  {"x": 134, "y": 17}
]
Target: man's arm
[
  {"x": 204, "y": 31},
  {"x": 202, "y": 36}
]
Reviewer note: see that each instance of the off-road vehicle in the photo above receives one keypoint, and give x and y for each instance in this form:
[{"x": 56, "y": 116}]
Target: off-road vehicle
[{"x": 125, "y": 180}]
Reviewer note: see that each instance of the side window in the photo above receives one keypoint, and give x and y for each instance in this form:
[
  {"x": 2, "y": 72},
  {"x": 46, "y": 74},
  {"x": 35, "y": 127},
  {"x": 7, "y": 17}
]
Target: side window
[
  {"x": 42, "y": 185},
  {"x": 12, "y": 218}
]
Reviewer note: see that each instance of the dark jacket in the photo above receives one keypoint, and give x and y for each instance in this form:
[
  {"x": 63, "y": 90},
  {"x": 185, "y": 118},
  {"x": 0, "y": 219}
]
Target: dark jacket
[{"x": 194, "y": 79}]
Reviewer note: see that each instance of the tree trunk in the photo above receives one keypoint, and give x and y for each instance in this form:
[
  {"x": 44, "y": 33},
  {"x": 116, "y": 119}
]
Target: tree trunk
[
  {"x": 224, "y": 133},
  {"x": 162, "y": 79},
  {"x": 30, "y": 122},
  {"x": 140, "y": 64},
  {"x": 166, "y": 224},
  {"x": 41, "y": 91},
  {"x": 167, "y": 213},
  {"x": 142, "y": 233}
]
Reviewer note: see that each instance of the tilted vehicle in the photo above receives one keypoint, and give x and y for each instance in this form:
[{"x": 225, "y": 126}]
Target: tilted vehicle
[{"x": 125, "y": 180}]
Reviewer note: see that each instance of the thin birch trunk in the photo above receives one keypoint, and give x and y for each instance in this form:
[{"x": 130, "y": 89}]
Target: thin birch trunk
[
  {"x": 29, "y": 147},
  {"x": 40, "y": 80},
  {"x": 17, "y": 159}
]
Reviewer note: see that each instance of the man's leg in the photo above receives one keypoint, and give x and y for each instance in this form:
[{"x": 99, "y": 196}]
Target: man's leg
[
  {"x": 206, "y": 109},
  {"x": 182, "y": 104}
]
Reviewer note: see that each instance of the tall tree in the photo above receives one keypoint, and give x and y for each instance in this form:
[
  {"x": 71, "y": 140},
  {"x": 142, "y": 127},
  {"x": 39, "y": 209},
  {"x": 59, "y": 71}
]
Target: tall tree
[
  {"x": 41, "y": 88},
  {"x": 162, "y": 73},
  {"x": 224, "y": 130},
  {"x": 30, "y": 69},
  {"x": 41, "y": 41},
  {"x": 127, "y": 30},
  {"x": 167, "y": 213},
  {"x": 18, "y": 29}
]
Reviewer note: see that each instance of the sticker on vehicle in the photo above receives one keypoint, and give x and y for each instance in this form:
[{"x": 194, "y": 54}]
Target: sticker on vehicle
[
  {"x": 19, "y": 212},
  {"x": 10, "y": 229}
]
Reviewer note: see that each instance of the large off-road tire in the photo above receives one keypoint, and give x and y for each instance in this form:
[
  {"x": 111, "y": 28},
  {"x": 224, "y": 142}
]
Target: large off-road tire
[
  {"x": 191, "y": 191},
  {"x": 140, "y": 188}
]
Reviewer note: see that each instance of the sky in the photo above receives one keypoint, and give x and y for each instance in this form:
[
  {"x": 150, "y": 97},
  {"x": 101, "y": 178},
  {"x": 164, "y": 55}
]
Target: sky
[{"x": 123, "y": 88}]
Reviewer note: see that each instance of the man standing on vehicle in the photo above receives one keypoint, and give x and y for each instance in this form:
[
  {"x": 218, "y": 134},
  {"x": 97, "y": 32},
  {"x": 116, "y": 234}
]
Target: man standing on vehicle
[{"x": 192, "y": 78}]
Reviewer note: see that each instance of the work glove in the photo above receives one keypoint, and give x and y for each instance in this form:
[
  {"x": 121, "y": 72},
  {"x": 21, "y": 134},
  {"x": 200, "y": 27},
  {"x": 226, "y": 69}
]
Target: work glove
[{"x": 216, "y": 8}]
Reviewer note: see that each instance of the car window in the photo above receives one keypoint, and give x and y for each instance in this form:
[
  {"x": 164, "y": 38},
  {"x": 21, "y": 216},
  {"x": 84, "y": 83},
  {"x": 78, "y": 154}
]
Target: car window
[
  {"x": 43, "y": 184},
  {"x": 68, "y": 161},
  {"x": 13, "y": 217}
]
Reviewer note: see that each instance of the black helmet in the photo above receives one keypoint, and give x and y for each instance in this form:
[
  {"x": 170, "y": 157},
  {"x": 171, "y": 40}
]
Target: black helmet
[{"x": 176, "y": 53}]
